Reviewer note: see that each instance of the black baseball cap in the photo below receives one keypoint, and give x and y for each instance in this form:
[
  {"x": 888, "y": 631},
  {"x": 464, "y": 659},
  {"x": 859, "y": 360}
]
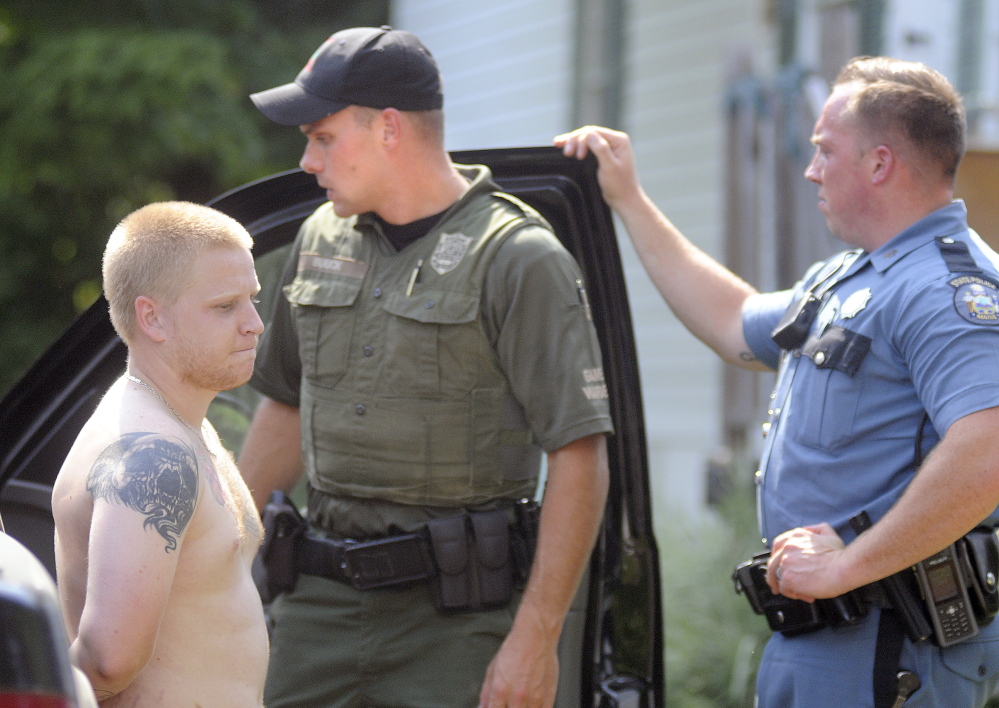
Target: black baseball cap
[{"x": 379, "y": 67}]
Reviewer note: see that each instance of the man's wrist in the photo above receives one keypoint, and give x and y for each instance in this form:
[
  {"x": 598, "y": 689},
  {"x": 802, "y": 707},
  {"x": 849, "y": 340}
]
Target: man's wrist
[
  {"x": 533, "y": 616},
  {"x": 629, "y": 200}
]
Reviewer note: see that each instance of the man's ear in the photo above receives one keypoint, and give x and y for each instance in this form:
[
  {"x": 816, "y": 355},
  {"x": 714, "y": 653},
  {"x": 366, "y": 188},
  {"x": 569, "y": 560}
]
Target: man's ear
[
  {"x": 391, "y": 125},
  {"x": 148, "y": 318},
  {"x": 883, "y": 164}
]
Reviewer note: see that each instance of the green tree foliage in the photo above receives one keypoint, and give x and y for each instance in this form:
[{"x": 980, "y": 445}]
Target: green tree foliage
[{"x": 109, "y": 105}]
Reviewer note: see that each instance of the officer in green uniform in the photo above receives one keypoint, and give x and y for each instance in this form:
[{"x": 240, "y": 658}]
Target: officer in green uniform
[{"x": 430, "y": 340}]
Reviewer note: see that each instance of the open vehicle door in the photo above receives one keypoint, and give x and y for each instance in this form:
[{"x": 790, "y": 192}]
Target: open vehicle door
[{"x": 612, "y": 646}]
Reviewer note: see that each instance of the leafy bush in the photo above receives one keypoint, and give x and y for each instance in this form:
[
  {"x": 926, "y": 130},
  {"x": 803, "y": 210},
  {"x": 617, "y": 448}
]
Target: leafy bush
[
  {"x": 109, "y": 105},
  {"x": 713, "y": 639}
]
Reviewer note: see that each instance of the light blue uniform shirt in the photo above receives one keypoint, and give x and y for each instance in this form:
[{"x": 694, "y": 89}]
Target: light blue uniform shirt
[{"x": 844, "y": 444}]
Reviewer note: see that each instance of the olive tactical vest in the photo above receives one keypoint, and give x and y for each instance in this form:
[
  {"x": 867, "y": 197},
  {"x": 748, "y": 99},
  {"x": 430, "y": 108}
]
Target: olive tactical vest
[{"x": 402, "y": 395}]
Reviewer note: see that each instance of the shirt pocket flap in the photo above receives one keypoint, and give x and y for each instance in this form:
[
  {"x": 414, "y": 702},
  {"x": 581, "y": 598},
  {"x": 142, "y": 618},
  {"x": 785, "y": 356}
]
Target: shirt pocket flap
[
  {"x": 331, "y": 292},
  {"x": 434, "y": 307}
]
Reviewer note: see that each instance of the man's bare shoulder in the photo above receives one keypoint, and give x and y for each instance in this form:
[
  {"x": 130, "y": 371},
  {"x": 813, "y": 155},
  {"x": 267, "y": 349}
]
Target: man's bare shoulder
[
  {"x": 153, "y": 474},
  {"x": 130, "y": 455}
]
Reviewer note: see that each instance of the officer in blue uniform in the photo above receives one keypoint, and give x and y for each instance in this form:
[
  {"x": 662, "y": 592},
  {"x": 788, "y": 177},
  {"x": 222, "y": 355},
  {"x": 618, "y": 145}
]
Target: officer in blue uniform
[{"x": 887, "y": 402}]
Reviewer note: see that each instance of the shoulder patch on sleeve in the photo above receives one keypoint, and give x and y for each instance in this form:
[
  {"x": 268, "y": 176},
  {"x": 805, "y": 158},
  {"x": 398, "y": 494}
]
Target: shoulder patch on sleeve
[
  {"x": 596, "y": 387},
  {"x": 976, "y": 299}
]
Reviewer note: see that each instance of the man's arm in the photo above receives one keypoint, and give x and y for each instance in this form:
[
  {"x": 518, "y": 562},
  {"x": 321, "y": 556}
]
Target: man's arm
[
  {"x": 702, "y": 293},
  {"x": 525, "y": 670},
  {"x": 271, "y": 457},
  {"x": 954, "y": 490},
  {"x": 145, "y": 490}
]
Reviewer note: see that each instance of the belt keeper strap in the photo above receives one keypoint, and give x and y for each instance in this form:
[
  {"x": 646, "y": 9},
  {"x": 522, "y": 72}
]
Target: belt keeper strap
[{"x": 322, "y": 557}]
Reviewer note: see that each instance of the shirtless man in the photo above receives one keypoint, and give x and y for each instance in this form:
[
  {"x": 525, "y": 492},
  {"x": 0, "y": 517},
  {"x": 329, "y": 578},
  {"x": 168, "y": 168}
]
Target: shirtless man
[{"x": 155, "y": 530}]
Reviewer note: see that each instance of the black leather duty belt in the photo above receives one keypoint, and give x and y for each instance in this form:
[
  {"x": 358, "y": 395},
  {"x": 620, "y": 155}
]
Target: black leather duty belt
[{"x": 396, "y": 560}]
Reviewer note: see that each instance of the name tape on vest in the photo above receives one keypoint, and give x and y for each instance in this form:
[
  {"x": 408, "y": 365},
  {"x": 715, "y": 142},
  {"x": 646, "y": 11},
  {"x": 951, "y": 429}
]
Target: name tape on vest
[{"x": 334, "y": 265}]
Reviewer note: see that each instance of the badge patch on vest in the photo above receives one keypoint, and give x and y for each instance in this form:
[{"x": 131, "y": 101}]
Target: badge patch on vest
[
  {"x": 334, "y": 265},
  {"x": 976, "y": 299},
  {"x": 449, "y": 252}
]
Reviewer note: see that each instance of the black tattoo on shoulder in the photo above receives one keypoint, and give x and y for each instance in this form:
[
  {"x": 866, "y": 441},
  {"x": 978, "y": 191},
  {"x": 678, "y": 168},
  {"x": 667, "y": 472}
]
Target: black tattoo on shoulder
[
  {"x": 153, "y": 475},
  {"x": 748, "y": 357}
]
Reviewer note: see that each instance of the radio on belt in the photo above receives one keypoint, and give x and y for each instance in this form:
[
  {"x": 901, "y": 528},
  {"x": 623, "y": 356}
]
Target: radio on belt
[{"x": 946, "y": 597}]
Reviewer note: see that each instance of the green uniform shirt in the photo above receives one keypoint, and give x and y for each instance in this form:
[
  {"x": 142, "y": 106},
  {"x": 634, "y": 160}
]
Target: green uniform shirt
[{"x": 532, "y": 313}]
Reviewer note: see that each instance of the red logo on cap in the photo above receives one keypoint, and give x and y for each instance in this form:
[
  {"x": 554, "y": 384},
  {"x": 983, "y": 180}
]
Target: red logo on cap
[{"x": 312, "y": 59}]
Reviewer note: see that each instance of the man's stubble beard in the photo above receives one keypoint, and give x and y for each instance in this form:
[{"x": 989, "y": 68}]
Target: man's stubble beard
[{"x": 198, "y": 368}]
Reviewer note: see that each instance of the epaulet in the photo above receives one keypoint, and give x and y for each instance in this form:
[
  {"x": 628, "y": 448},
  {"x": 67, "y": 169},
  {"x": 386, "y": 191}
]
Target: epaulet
[
  {"x": 525, "y": 209},
  {"x": 957, "y": 255}
]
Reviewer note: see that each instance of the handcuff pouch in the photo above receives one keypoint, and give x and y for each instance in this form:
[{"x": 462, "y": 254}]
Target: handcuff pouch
[{"x": 978, "y": 551}]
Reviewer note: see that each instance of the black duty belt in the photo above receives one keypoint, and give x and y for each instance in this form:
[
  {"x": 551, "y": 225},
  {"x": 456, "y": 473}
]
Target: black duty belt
[
  {"x": 472, "y": 560},
  {"x": 395, "y": 560},
  {"x": 913, "y": 601}
]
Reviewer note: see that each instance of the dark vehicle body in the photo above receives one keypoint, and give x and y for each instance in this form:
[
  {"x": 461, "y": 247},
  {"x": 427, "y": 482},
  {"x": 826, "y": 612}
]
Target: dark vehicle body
[
  {"x": 35, "y": 671},
  {"x": 612, "y": 649}
]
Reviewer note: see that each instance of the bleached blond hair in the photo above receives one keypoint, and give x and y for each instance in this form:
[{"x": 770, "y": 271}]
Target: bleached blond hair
[{"x": 151, "y": 252}]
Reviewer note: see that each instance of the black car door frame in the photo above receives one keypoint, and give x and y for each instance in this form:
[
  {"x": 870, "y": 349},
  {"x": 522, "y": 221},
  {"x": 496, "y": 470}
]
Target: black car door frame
[{"x": 42, "y": 414}]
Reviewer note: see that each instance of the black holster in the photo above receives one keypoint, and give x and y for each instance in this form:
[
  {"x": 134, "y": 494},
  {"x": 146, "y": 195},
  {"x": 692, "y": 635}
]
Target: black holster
[
  {"x": 978, "y": 555},
  {"x": 283, "y": 530},
  {"x": 793, "y": 617}
]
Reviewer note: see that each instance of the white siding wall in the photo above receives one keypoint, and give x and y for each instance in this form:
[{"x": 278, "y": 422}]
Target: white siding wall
[
  {"x": 929, "y": 31},
  {"x": 674, "y": 112},
  {"x": 924, "y": 30},
  {"x": 506, "y": 66},
  {"x": 507, "y": 69}
]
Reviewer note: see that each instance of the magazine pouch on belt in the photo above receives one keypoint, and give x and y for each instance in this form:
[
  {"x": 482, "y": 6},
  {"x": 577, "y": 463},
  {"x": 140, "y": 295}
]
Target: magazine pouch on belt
[
  {"x": 492, "y": 555},
  {"x": 472, "y": 552},
  {"x": 449, "y": 540}
]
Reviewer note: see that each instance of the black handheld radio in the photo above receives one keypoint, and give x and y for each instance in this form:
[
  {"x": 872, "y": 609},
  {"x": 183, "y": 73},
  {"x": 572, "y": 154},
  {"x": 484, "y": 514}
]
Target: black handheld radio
[
  {"x": 946, "y": 597},
  {"x": 944, "y": 593}
]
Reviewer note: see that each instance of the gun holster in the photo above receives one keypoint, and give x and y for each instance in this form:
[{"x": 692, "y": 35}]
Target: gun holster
[
  {"x": 978, "y": 556},
  {"x": 793, "y": 617},
  {"x": 283, "y": 531}
]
